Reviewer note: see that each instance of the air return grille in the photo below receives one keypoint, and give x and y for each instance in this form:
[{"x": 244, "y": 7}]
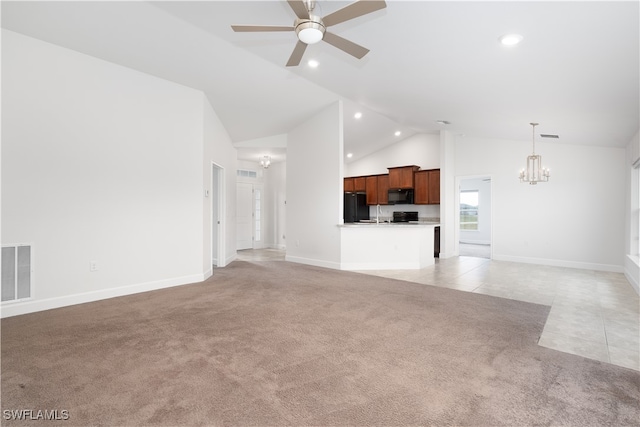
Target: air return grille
[{"x": 16, "y": 272}]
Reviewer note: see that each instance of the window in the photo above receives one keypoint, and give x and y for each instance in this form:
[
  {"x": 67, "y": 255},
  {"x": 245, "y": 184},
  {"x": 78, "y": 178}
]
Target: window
[
  {"x": 247, "y": 173},
  {"x": 469, "y": 210}
]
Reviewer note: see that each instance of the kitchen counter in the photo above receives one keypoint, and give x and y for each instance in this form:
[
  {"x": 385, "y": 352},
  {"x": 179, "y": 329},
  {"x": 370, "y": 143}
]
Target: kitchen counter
[
  {"x": 387, "y": 246},
  {"x": 390, "y": 224}
]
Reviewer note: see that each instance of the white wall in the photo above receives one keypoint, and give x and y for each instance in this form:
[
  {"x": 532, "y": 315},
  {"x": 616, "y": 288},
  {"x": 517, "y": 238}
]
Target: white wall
[
  {"x": 314, "y": 189},
  {"x": 422, "y": 150},
  {"x": 100, "y": 163},
  {"x": 575, "y": 220},
  {"x": 218, "y": 149},
  {"x": 483, "y": 234}
]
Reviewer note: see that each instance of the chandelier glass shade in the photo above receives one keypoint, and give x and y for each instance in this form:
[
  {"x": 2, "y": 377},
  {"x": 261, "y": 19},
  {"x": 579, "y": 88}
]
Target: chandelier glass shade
[
  {"x": 265, "y": 162},
  {"x": 534, "y": 171}
]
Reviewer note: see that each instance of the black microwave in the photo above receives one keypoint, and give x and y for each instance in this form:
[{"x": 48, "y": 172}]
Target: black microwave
[{"x": 401, "y": 197}]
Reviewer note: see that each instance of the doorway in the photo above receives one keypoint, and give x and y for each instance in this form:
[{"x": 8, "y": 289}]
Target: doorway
[
  {"x": 249, "y": 214},
  {"x": 217, "y": 216},
  {"x": 474, "y": 219}
]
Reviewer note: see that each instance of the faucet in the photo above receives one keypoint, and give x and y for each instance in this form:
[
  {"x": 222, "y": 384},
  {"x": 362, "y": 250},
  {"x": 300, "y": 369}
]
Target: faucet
[{"x": 378, "y": 212}]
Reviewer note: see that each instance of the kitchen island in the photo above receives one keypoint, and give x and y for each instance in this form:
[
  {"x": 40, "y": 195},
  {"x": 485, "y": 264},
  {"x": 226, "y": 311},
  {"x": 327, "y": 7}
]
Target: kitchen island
[{"x": 387, "y": 246}]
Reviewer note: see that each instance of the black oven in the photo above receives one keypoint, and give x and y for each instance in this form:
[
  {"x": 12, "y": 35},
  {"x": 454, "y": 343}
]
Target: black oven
[{"x": 405, "y": 216}]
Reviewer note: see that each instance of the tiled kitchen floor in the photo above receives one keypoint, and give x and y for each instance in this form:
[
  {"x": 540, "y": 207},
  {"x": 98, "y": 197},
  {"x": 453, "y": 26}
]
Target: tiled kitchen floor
[{"x": 593, "y": 314}]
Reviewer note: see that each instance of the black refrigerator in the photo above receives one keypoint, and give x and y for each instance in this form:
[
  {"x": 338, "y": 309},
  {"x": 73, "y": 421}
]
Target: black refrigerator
[{"x": 355, "y": 207}]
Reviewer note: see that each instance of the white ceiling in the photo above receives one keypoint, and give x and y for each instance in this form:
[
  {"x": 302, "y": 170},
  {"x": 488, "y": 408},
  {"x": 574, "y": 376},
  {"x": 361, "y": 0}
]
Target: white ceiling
[{"x": 576, "y": 72}]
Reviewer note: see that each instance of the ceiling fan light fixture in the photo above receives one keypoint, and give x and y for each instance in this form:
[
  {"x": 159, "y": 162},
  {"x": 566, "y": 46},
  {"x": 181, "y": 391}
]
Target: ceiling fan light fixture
[{"x": 309, "y": 31}]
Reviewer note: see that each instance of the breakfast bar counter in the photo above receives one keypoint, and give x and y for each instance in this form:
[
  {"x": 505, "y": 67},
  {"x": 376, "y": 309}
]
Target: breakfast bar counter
[{"x": 387, "y": 246}]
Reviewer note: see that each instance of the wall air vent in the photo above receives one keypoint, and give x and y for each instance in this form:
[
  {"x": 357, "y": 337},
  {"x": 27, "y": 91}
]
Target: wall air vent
[
  {"x": 548, "y": 135},
  {"x": 16, "y": 272}
]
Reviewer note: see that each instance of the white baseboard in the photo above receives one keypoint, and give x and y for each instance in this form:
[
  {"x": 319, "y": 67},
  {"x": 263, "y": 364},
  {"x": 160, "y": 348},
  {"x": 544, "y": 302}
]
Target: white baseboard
[
  {"x": 476, "y": 242},
  {"x": 316, "y": 262},
  {"x": 560, "y": 263},
  {"x": 632, "y": 272},
  {"x": 384, "y": 266},
  {"x": 31, "y": 306}
]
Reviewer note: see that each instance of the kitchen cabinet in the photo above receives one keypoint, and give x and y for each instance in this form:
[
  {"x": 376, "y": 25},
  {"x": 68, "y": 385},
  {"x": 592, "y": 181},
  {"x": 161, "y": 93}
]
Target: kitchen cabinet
[
  {"x": 436, "y": 242},
  {"x": 427, "y": 187},
  {"x": 355, "y": 184},
  {"x": 402, "y": 177},
  {"x": 383, "y": 189},
  {"x": 434, "y": 187},
  {"x": 360, "y": 184},
  {"x": 377, "y": 189},
  {"x": 348, "y": 185}
]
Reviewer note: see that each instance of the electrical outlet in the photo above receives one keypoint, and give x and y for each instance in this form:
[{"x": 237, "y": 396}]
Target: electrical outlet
[{"x": 93, "y": 265}]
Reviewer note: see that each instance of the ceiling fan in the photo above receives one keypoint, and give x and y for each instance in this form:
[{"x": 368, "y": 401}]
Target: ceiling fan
[{"x": 311, "y": 29}]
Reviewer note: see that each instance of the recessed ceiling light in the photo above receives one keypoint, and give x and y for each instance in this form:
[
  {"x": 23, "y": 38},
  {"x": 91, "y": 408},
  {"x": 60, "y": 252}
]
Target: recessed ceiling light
[
  {"x": 357, "y": 115},
  {"x": 313, "y": 63},
  {"x": 511, "y": 39},
  {"x": 349, "y": 155},
  {"x": 398, "y": 133},
  {"x": 443, "y": 122}
]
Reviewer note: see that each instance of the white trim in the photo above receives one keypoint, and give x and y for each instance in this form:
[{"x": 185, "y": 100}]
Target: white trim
[
  {"x": 475, "y": 242},
  {"x": 384, "y": 266},
  {"x": 632, "y": 272},
  {"x": 561, "y": 263},
  {"x": 456, "y": 208},
  {"x": 221, "y": 199},
  {"x": 230, "y": 259},
  {"x": 316, "y": 262},
  {"x": 50, "y": 303}
]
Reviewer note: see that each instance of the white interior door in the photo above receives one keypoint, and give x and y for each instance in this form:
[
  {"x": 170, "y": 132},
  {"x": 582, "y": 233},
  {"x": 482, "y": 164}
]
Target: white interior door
[{"x": 244, "y": 215}]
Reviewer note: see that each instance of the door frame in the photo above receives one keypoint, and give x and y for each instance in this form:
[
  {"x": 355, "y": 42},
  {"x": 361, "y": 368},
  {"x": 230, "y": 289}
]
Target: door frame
[
  {"x": 458, "y": 182},
  {"x": 218, "y": 198}
]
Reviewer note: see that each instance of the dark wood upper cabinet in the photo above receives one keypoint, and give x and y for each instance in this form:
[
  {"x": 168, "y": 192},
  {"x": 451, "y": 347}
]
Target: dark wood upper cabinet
[
  {"x": 402, "y": 177},
  {"x": 425, "y": 183},
  {"x": 421, "y": 192},
  {"x": 348, "y": 185},
  {"x": 378, "y": 190},
  {"x": 360, "y": 184},
  {"x": 383, "y": 189},
  {"x": 427, "y": 189},
  {"x": 434, "y": 187},
  {"x": 372, "y": 190}
]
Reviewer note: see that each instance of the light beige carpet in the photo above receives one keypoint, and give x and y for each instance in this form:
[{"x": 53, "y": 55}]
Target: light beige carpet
[{"x": 277, "y": 343}]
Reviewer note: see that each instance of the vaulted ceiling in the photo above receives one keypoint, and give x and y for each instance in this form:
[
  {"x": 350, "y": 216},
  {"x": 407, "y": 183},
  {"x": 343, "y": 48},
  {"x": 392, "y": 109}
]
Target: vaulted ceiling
[{"x": 576, "y": 71}]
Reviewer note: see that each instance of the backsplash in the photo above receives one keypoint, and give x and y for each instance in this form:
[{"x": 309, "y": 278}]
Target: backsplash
[{"x": 429, "y": 213}]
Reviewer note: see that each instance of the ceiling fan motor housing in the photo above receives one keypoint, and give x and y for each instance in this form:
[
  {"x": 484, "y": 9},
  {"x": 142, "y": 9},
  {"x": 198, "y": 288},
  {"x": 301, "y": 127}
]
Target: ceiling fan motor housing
[{"x": 310, "y": 31}]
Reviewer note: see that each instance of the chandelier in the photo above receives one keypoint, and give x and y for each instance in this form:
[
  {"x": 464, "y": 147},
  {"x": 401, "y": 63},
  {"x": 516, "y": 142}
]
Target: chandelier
[
  {"x": 265, "y": 162},
  {"x": 534, "y": 172}
]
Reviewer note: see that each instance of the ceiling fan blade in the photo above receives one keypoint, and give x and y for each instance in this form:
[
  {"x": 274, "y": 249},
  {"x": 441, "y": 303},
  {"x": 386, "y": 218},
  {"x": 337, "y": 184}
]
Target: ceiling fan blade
[
  {"x": 345, "y": 45},
  {"x": 354, "y": 10},
  {"x": 299, "y": 8},
  {"x": 296, "y": 56},
  {"x": 254, "y": 28}
]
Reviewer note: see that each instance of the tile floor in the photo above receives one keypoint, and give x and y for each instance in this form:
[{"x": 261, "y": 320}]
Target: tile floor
[
  {"x": 593, "y": 314},
  {"x": 474, "y": 250}
]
